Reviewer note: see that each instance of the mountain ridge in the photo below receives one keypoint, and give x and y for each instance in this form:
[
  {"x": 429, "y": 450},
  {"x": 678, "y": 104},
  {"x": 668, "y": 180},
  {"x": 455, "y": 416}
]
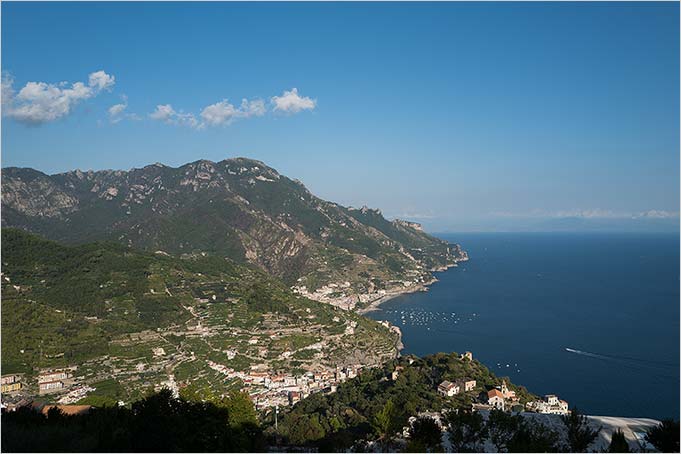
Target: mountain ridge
[{"x": 238, "y": 208}]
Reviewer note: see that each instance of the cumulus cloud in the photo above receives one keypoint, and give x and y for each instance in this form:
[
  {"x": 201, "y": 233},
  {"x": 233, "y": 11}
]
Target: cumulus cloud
[
  {"x": 101, "y": 80},
  {"x": 117, "y": 109},
  {"x": 223, "y": 113},
  {"x": 166, "y": 114},
  {"x": 40, "y": 102},
  {"x": 292, "y": 102},
  {"x": 254, "y": 108},
  {"x": 117, "y": 112}
]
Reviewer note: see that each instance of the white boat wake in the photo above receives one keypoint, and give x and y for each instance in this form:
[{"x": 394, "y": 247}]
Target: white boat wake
[
  {"x": 626, "y": 360},
  {"x": 593, "y": 355}
]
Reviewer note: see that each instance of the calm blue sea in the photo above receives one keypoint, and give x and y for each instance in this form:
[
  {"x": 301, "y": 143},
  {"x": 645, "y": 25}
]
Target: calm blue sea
[{"x": 593, "y": 318}]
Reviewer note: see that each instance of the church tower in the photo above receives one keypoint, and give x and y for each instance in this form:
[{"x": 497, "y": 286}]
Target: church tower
[{"x": 504, "y": 388}]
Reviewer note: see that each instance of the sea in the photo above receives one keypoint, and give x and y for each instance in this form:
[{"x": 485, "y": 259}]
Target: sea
[{"x": 592, "y": 318}]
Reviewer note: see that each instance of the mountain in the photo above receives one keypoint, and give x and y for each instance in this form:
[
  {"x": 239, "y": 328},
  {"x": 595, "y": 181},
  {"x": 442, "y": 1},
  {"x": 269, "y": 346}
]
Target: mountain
[{"x": 237, "y": 208}]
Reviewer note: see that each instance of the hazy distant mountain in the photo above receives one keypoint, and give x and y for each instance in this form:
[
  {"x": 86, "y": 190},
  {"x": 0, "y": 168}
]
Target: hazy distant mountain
[{"x": 238, "y": 208}]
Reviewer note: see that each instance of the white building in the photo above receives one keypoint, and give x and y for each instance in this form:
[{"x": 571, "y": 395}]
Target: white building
[
  {"x": 469, "y": 385},
  {"x": 53, "y": 376},
  {"x": 551, "y": 405},
  {"x": 49, "y": 386},
  {"x": 495, "y": 399},
  {"x": 448, "y": 389},
  {"x": 507, "y": 393}
]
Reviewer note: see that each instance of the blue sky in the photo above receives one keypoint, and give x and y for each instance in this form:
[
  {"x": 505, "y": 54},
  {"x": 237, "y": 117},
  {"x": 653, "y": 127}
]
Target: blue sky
[{"x": 461, "y": 116}]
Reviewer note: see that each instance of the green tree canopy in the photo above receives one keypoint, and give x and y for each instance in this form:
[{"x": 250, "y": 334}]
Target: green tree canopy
[
  {"x": 425, "y": 435},
  {"x": 466, "y": 430}
]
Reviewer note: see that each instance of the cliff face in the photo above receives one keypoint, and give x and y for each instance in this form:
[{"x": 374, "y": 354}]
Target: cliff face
[{"x": 237, "y": 208}]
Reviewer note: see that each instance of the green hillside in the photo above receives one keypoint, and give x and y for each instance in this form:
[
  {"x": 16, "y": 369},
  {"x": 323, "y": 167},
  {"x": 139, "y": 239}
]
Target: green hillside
[{"x": 105, "y": 308}]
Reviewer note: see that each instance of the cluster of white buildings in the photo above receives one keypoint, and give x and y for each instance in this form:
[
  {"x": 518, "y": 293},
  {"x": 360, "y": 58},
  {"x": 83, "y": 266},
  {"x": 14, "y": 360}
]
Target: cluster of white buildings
[
  {"x": 551, "y": 405},
  {"x": 269, "y": 390},
  {"x": 53, "y": 380},
  {"x": 500, "y": 397},
  {"x": 11, "y": 383},
  {"x": 75, "y": 395},
  {"x": 503, "y": 398},
  {"x": 449, "y": 389},
  {"x": 15, "y": 392},
  {"x": 343, "y": 296},
  {"x": 339, "y": 295}
]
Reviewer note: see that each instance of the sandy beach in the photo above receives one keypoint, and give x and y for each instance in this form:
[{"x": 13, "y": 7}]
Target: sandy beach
[{"x": 374, "y": 305}]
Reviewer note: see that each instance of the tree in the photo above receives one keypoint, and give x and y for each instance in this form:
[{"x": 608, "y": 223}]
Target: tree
[
  {"x": 665, "y": 436},
  {"x": 618, "y": 442},
  {"x": 240, "y": 407},
  {"x": 425, "y": 435},
  {"x": 533, "y": 437},
  {"x": 303, "y": 429},
  {"x": 579, "y": 434},
  {"x": 502, "y": 427},
  {"x": 157, "y": 423},
  {"x": 383, "y": 422},
  {"x": 466, "y": 430}
]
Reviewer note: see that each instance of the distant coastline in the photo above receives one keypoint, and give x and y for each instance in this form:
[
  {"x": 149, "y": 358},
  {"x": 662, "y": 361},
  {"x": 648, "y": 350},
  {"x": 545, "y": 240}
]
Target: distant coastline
[
  {"x": 421, "y": 287},
  {"x": 375, "y": 304}
]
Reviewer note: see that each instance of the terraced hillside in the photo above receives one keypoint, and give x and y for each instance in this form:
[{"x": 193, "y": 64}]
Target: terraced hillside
[{"x": 130, "y": 320}]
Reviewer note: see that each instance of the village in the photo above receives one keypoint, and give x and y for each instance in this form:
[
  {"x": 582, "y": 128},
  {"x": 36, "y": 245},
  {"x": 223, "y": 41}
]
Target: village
[
  {"x": 500, "y": 397},
  {"x": 265, "y": 387}
]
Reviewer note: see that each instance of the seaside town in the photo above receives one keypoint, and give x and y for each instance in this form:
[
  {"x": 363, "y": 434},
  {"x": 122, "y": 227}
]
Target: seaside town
[
  {"x": 266, "y": 389},
  {"x": 63, "y": 387}
]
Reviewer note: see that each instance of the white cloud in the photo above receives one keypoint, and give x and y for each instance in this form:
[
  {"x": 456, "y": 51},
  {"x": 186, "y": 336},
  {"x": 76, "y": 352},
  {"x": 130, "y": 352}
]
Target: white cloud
[
  {"x": 7, "y": 89},
  {"x": 163, "y": 112},
  {"x": 656, "y": 214},
  {"x": 223, "y": 113},
  {"x": 219, "y": 113},
  {"x": 116, "y": 111},
  {"x": 589, "y": 214},
  {"x": 254, "y": 108},
  {"x": 166, "y": 114},
  {"x": 292, "y": 102},
  {"x": 101, "y": 80},
  {"x": 39, "y": 102}
]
